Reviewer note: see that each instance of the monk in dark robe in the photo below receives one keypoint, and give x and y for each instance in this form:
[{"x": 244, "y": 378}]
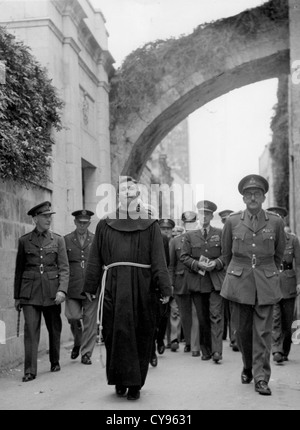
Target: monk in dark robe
[{"x": 132, "y": 243}]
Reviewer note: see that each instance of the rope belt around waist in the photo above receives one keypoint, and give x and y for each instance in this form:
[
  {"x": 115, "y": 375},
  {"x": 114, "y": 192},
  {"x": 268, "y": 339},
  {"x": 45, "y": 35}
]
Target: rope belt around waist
[
  {"x": 253, "y": 261},
  {"x": 101, "y": 295},
  {"x": 103, "y": 281}
]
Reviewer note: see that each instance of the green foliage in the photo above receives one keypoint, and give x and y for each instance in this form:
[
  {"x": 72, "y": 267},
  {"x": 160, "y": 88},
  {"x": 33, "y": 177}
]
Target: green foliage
[
  {"x": 279, "y": 147},
  {"x": 150, "y": 69},
  {"x": 29, "y": 108}
]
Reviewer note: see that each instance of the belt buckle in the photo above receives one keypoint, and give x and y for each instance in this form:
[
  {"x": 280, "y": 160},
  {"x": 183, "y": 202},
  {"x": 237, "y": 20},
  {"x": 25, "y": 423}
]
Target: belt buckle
[
  {"x": 253, "y": 262},
  {"x": 41, "y": 269},
  {"x": 281, "y": 268},
  {"x": 82, "y": 264}
]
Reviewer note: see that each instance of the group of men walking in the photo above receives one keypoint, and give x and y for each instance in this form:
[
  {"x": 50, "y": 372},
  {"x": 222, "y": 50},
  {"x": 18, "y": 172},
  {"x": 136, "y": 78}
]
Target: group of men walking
[
  {"x": 248, "y": 271},
  {"x": 50, "y": 269}
]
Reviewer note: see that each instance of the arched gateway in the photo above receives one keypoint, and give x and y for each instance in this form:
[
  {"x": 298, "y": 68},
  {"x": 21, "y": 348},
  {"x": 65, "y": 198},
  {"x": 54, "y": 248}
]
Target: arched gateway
[{"x": 160, "y": 85}]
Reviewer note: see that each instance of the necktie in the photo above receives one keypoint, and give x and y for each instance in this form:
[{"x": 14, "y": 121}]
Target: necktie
[
  {"x": 254, "y": 221},
  {"x": 205, "y": 233}
]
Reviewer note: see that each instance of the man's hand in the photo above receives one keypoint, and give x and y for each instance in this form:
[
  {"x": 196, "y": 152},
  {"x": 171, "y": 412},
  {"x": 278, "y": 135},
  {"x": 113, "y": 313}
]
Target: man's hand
[
  {"x": 211, "y": 265},
  {"x": 60, "y": 297},
  {"x": 18, "y": 306},
  {"x": 90, "y": 296},
  {"x": 165, "y": 300}
]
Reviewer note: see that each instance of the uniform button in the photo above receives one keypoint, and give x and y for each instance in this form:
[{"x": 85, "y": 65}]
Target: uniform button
[
  {"x": 41, "y": 256},
  {"x": 41, "y": 249},
  {"x": 253, "y": 244},
  {"x": 206, "y": 250},
  {"x": 254, "y": 234}
]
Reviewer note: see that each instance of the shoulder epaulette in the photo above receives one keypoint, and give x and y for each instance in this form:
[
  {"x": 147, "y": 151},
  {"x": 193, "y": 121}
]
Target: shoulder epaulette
[
  {"x": 56, "y": 234},
  {"x": 272, "y": 213},
  {"x": 235, "y": 213},
  {"x": 26, "y": 234}
]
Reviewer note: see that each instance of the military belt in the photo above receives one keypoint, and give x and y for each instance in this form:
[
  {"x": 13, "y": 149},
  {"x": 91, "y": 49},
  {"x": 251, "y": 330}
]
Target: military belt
[
  {"x": 41, "y": 268},
  {"x": 253, "y": 261},
  {"x": 285, "y": 266}
]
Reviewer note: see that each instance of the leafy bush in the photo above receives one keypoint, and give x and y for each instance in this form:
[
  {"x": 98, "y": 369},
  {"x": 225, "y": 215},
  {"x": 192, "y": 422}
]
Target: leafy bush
[{"x": 29, "y": 108}]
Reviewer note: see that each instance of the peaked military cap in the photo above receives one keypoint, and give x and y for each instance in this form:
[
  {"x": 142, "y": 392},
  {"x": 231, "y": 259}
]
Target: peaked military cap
[
  {"x": 166, "y": 222},
  {"x": 189, "y": 216},
  {"x": 225, "y": 213},
  {"x": 278, "y": 210},
  {"x": 42, "y": 208},
  {"x": 206, "y": 205},
  {"x": 178, "y": 229},
  {"x": 83, "y": 215},
  {"x": 253, "y": 181}
]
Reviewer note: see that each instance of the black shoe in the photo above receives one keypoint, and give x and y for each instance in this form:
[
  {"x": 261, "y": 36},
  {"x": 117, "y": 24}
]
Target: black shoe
[
  {"x": 235, "y": 348},
  {"x": 153, "y": 360},
  {"x": 174, "y": 345},
  {"x": 75, "y": 352},
  {"x": 28, "y": 377},
  {"x": 85, "y": 359},
  {"x": 285, "y": 358},
  {"x": 206, "y": 357},
  {"x": 161, "y": 348},
  {"x": 278, "y": 357},
  {"x": 217, "y": 357},
  {"x": 187, "y": 348},
  {"x": 133, "y": 393},
  {"x": 55, "y": 367},
  {"x": 121, "y": 390},
  {"x": 262, "y": 387},
  {"x": 196, "y": 354},
  {"x": 246, "y": 376}
]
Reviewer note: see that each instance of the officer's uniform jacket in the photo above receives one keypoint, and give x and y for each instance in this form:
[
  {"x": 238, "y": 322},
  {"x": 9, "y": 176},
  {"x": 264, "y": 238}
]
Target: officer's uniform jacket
[
  {"x": 42, "y": 268},
  {"x": 177, "y": 269},
  {"x": 253, "y": 258},
  {"x": 290, "y": 267},
  {"x": 77, "y": 256},
  {"x": 194, "y": 246}
]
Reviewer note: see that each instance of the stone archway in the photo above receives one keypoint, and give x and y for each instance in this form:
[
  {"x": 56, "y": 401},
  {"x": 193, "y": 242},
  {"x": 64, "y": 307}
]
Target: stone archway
[{"x": 187, "y": 73}]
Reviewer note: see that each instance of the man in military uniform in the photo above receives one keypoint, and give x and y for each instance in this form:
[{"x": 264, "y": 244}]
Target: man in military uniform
[
  {"x": 40, "y": 286},
  {"x": 283, "y": 312},
  {"x": 253, "y": 243},
  {"x": 177, "y": 270},
  {"x": 227, "y": 304},
  {"x": 163, "y": 310},
  {"x": 201, "y": 254},
  {"x": 80, "y": 312}
]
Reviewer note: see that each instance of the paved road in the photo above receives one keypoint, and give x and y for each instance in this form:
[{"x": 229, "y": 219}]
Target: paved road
[{"x": 179, "y": 382}]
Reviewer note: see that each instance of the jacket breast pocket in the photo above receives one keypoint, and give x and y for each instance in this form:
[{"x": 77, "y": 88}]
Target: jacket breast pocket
[
  {"x": 238, "y": 242},
  {"x": 196, "y": 250},
  {"x": 269, "y": 240},
  {"x": 53, "y": 283},
  {"x": 51, "y": 255},
  {"x": 27, "y": 284}
]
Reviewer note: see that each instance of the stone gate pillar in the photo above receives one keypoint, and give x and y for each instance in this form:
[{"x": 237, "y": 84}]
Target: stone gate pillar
[{"x": 294, "y": 115}]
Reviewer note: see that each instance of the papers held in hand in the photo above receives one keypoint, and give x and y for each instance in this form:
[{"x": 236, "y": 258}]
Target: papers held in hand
[{"x": 203, "y": 260}]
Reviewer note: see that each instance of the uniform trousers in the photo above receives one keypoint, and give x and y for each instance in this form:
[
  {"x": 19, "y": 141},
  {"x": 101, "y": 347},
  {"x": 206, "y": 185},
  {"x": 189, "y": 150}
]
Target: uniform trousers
[
  {"x": 209, "y": 307},
  {"x": 32, "y": 330},
  {"x": 189, "y": 320},
  {"x": 283, "y": 317},
  {"x": 175, "y": 321},
  {"x": 253, "y": 325},
  {"x": 82, "y": 316}
]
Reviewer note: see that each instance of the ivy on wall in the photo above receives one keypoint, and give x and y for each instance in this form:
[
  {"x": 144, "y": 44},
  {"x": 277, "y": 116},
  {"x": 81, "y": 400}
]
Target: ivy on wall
[
  {"x": 142, "y": 76},
  {"x": 29, "y": 109},
  {"x": 279, "y": 147}
]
